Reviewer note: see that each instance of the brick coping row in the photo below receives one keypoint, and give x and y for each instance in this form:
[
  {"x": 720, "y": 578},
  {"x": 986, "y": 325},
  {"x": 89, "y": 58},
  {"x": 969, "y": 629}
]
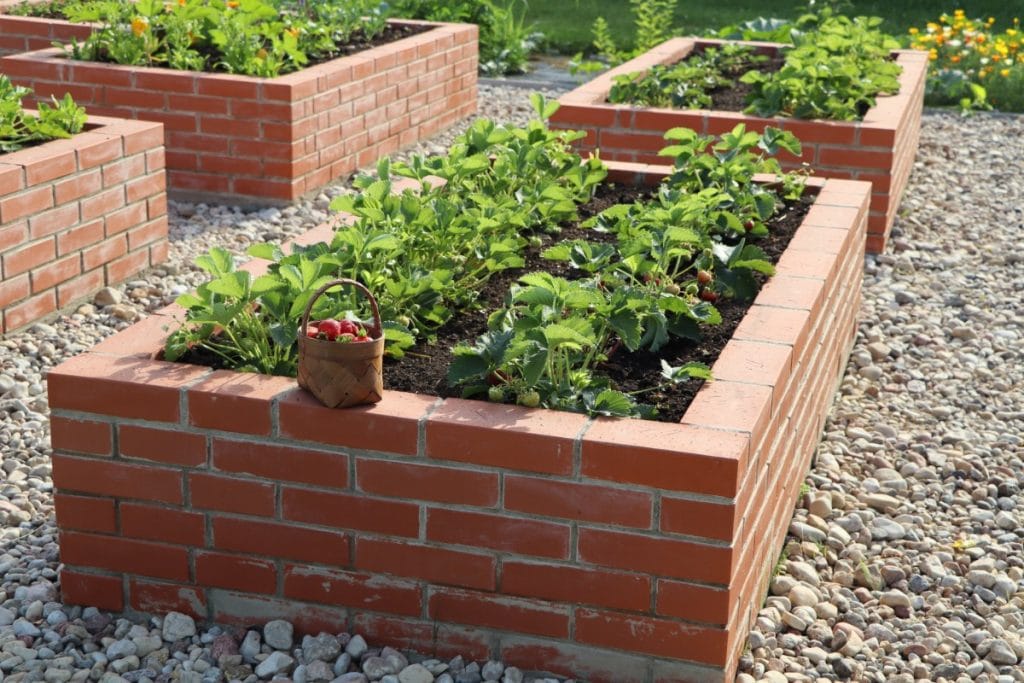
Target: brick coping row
[{"x": 142, "y": 420}]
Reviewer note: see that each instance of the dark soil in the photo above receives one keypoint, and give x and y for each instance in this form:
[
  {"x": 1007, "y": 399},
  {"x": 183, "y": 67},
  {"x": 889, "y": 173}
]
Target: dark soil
[
  {"x": 425, "y": 368},
  {"x": 735, "y": 98}
]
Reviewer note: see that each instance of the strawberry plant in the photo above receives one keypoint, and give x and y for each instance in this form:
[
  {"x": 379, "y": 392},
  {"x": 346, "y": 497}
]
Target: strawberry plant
[
  {"x": 250, "y": 37},
  {"x": 836, "y": 69},
  {"x": 687, "y": 84},
  {"x": 62, "y": 119},
  {"x": 673, "y": 257}
]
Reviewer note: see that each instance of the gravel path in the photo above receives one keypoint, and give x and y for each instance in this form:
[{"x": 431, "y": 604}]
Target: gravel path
[{"x": 911, "y": 562}]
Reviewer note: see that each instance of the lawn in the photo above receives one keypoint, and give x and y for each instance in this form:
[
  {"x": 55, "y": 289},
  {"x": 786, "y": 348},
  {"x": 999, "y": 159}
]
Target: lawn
[{"x": 567, "y": 23}]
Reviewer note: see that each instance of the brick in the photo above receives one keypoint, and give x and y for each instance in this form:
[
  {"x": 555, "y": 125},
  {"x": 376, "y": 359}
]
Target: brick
[
  {"x": 508, "y": 534},
  {"x": 117, "y": 479},
  {"x": 391, "y": 425},
  {"x": 47, "y": 162},
  {"x": 531, "y": 440},
  {"x": 30, "y": 310},
  {"x": 54, "y": 220},
  {"x": 12, "y": 179},
  {"x": 73, "y": 435},
  {"x": 583, "y": 585},
  {"x": 658, "y": 637},
  {"x": 124, "y": 555},
  {"x": 212, "y": 492},
  {"x": 666, "y": 456},
  {"x": 356, "y": 590},
  {"x": 694, "y": 602},
  {"x": 436, "y": 565},
  {"x": 103, "y": 203},
  {"x": 77, "y": 186},
  {"x": 666, "y": 557},
  {"x": 147, "y": 233},
  {"x": 245, "y": 609},
  {"x": 350, "y": 511},
  {"x": 582, "y": 502},
  {"x": 85, "y": 513},
  {"x": 95, "y": 149},
  {"x": 573, "y": 661},
  {"x": 79, "y": 288},
  {"x": 734, "y": 406},
  {"x": 52, "y": 274},
  {"x": 94, "y": 590},
  {"x": 122, "y": 170},
  {"x": 28, "y": 257},
  {"x": 14, "y": 289},
  {"x": 151, "y": 597},
  {"x": 702, "y": 518},
  {"x": 120, "y": 269},
  {"x": 427, "y": 482},
  {"x": 32, "y": 201},
  {"x": 281, "y": 463},
  {"x": 172, "y": 447},
  {"x": 237, "y": 572},
  {"x": 13, "y": 234},
  {"x": 288, "y": 541},
  {"x": 122, "y": 219},
  {"x": 153, "y": 523},
  {"x": 490, "y": 611}
]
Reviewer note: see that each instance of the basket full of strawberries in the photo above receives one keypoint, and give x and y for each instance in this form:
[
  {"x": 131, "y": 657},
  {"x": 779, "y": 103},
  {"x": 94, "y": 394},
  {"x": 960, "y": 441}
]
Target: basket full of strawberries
[{"x": 340, "y": 361}]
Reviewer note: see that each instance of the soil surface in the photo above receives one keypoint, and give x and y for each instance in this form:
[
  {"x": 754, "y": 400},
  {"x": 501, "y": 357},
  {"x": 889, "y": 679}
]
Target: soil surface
[{"x": 424, "y": 370}]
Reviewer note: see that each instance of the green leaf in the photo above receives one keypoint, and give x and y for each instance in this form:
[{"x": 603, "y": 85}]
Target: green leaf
[
  {"x": 613, "y": 404},
  {"x": 558, "y": 334},
  {"x": 466, "y": 367},
  {"x": 216, "y": 262},
  {"x": 234, "y": 285}
]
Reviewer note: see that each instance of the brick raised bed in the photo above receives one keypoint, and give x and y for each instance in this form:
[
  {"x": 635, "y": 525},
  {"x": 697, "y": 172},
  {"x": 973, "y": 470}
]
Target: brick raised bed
[
  {"x": 79, "y": 214},
  {"x": 274, "y": 140},
  {"x": 879, "y": 149},
  {"x": 23, "y": 34},
  {"x": 614, "y": 550}
]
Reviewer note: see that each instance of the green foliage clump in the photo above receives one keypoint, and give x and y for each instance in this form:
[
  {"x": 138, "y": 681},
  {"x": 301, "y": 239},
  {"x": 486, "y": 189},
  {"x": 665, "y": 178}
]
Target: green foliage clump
[
  {"x": 687, "y": 84},
  {"x": 20, "y": 129},
  {"x": 835, "y": 71},
  {"x": 506, "y": 40},
  {"x": 249, "y": 37},
  {"x": 652, "y": 20}
]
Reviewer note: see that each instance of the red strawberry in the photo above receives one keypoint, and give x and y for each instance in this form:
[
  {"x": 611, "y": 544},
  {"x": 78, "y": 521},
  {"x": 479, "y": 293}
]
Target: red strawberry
[
  {"x": 330, "y": 329},
  {"x": 349, "y": 327},
  {"x": 362, "y": 338},
  {"x": 312, "y": 331},
  {"x": 345, "y": 338},
  {"x": 704, "y": 277},
  {"x": 708, "y": 295}
]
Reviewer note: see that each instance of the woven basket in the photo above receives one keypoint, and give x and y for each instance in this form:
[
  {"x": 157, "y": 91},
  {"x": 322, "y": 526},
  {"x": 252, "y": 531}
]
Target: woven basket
[{"x": 342, "y": 375}]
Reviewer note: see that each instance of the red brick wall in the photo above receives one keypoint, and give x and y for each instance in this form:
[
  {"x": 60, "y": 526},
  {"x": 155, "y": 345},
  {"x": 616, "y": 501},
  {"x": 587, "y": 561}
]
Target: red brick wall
[
  {"x": 79, "y": 214},
  {"x": 277, "y": 139},
  {"x": 880, "y": 149},
  {"x": 612, "y": 550},
  {"x": 23, "y": 34}
]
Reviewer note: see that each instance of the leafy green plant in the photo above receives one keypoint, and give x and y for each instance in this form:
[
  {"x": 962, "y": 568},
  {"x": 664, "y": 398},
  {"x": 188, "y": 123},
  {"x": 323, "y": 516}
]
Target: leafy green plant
[
  {"x": 61, "y": 119},
  {"x": 250, "y": 37},
  {"x": 673, "y": 257},
  {"x": 835, "y": 71},
  {"x": 424, "y": 254},
  {"x": 506, "y": 39},
  {"x": 687, "y": 84},
  {"x": 652, "y": 20}
]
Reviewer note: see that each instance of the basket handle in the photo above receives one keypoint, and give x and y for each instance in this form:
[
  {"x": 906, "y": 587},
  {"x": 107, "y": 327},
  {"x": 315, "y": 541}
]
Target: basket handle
[{"x": 334, "y": 283}]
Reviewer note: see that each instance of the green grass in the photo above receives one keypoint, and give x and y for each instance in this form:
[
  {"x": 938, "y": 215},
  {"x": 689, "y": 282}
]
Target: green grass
[{"x": 567, "y": 23}]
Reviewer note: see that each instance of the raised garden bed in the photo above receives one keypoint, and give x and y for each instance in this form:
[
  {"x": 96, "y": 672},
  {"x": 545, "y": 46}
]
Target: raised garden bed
[
  {"x": 80, "y": 214},
  {"x": 276, "y": 139},
  {"x": 23, "y": 34},
  {"x": 879, "y": 149},
  {"x": 608, "y": 549}
]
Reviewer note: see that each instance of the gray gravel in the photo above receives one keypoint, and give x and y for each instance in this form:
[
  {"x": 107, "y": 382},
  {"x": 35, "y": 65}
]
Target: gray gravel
[{"x": 911, "y": 561}]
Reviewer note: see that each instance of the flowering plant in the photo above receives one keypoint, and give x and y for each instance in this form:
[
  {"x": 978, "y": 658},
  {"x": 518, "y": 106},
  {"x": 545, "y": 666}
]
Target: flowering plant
[
  {"x": 250, "y": 37},
  {"x": 972, "y": 64}
]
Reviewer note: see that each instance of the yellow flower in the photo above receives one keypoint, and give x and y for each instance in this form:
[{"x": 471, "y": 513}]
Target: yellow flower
[
  {"x": 262, "y": 54},
  {"x": 955, "y": 58},
  {"x": 958, "y": 13},
  {"x": 293, "y": 32},
  {"x": 933, "y": 54},
  {"x": 1004, "y": 73},
  {"x": 913, "y": 31},
  {"x": 181, "y": 3},
  {"x": 139, "y": 26},
  {"x": 232, "y": 4}
]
